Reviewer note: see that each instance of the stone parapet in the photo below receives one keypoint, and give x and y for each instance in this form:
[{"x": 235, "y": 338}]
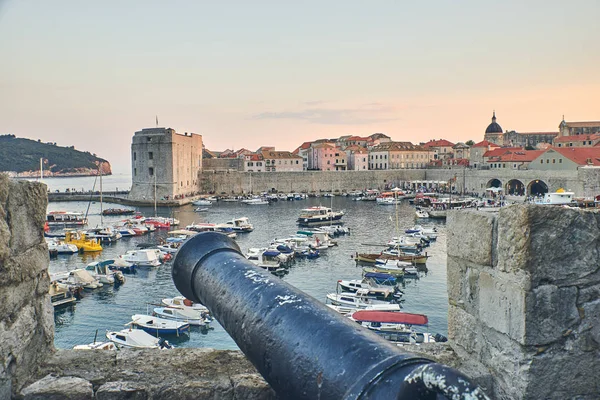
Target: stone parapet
[
  {"x": 524, "y": 294},
  {"x": 26, "y": 318}
]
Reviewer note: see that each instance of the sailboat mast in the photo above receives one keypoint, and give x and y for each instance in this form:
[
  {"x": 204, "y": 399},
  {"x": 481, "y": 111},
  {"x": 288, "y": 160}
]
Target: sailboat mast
[
  {"x": 41, "y": 169},
  {"x": 101, "y": 214}
]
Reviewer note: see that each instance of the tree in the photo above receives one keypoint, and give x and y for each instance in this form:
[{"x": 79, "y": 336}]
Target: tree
[{"x": 469, "y": 143}]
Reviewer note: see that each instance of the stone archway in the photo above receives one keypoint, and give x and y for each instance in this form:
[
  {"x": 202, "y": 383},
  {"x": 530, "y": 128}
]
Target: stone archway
[
  {"x": 537, "y": 188},
  {"x": 515, "y": 187},
  {"x": 495, "y": 183}
]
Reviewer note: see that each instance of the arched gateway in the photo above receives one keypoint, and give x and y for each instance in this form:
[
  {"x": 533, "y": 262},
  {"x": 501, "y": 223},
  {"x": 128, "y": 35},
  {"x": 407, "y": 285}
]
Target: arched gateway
[
  {"x": 537, "y": 188},
  {"x": 515, "y": 187}
]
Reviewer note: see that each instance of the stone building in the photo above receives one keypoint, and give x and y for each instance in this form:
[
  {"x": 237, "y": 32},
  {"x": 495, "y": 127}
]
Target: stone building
[
  {"x": 566, "y": 158},
  {"x": 164, "y": 163},
  {"x": 493, "y": 133},
  {"x": 585, "y": 140},
  {"x": 578, "y": 128},
  {"x": 399, "y": 155},
  {"x": 357, "y": 157},
  {"x": 528, "y": 139},
  {"x": 442, "y": 149}
]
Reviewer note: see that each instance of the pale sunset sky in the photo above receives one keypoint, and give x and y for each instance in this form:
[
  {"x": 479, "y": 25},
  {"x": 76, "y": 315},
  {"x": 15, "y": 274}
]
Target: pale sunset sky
[{"x": 277, "y": 73}]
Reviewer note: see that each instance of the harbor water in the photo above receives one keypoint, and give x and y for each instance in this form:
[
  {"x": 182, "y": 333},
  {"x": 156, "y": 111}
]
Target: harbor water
[{"x": 371, "y": 226}]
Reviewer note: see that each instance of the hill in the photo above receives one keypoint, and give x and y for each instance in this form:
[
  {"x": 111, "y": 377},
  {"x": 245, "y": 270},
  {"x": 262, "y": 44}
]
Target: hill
[{"x": 22, "y": 156}]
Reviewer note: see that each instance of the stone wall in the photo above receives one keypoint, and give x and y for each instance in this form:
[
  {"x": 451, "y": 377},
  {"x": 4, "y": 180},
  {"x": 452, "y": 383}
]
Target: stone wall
[
  {"x": 26, "y": 319},
  {"x": 524, "y": 294},
  {"x": 469, "y": 180}
]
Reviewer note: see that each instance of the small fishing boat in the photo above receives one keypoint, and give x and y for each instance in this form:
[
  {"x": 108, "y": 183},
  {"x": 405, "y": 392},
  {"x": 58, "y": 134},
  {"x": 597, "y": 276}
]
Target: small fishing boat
[
  {"x": 65, "y": 219},
  {"x": 358, "y": 299},
  {"x": 319, "y": 215},
  {"x": 241, "y": 224},
  {"x": 396, "y": 327},
  {"x": 101, "y": 271},
  {"x": 118, "y": 211},
  {"x": 202, "y": 202},
  {"x": 159, "y": 326},
  {"x": 96, "y": 346},
  {"x": 192, "y": 317},
  {"x": 411, "y": 258},
  {"x": 121, "y": 265},
  {"x": 82, "y": 243},
  {"x": 142, "y": 258},
  {"x": 60, "y": 295},
  {"x": 256, "y": 202},
  {"x": 136, "y": 338},
  {"x": 422, "y": 214},
  {"x": 380, "y": 278},
  {"x": 370, "y": 291},
  {"x": 183, "y": 303},
  {"x": 60, "y": 247}
]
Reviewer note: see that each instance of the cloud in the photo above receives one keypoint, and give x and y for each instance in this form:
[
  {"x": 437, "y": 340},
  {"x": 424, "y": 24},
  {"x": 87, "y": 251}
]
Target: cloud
[{"x": 362, "y": 115}]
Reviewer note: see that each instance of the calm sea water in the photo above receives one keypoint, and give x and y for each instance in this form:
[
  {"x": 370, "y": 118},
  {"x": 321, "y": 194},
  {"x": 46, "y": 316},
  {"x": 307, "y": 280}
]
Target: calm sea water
[{"x": 370, "y": 224}]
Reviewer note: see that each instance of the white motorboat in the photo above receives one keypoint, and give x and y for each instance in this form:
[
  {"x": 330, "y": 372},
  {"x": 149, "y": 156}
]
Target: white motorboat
[
  {"x": 192, "y": 317},
  {"x": 136, "y": 338},
  {"x": 241, "y": 224},
  {"x": 159, "y": 326},
  {"x": 319, "y": 215},
  {"x": 169, "y": 247},
  {"x": 183, "y": 303},
  {"x": 346, "y": 310},
  {"x": 266, "y": 259},
  {"x": 372, "y": 291},
  {"x": 358, "y": 299},
  {"x": 61, "y": 247},
  {"x": 101, "y": 271},
  {"x": 81, "y": 277},
  {"x": 256, "y": 202},
  {"x": 202, "y": 202},
  {"x": 143, "y": 257},
  {"x": 422, "y": 214},
  {"x": 96, "y": 346}
]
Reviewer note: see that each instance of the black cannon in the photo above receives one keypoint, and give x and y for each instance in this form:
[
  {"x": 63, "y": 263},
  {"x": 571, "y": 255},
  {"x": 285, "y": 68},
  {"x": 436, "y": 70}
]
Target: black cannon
[{"x": 303, "y": 349}]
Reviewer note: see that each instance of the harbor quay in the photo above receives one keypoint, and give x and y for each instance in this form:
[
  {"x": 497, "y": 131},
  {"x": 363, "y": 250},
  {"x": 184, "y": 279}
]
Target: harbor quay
[
  {"x": 522, "y": 323},
  {"x": 583, "y": 182}
]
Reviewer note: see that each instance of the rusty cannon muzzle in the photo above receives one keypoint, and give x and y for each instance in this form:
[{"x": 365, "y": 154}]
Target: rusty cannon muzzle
[{"x": 303, "y": 349}]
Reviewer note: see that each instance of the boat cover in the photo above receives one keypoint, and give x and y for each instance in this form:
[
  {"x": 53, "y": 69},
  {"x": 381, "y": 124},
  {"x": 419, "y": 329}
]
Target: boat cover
[
  {"x": 390, "y": 317},
  {"x": 271, "y": 253},
  {"x": 379, "y": 275}
]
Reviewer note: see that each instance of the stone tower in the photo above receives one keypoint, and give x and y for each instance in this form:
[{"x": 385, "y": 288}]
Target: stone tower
[
  {"x": 493, "y": 133},
  {"x": 164, "y": 162}
]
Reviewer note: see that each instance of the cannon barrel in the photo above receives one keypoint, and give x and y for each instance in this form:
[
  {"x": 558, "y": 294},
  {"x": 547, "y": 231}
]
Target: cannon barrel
[{"x": 303, "y": 349}]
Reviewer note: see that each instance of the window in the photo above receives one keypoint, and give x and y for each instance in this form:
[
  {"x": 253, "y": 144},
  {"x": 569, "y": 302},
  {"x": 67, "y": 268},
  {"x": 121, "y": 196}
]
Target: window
[
  {"x": 151, "y": 171},
  {"x": 148, "y": 139},
  {"x": 150, "y": 155},
  {"x": 554, "y": 161},
  {"x": 134, "y": 156},
  {"x": 135, "y": 172},
  {"x": 560, "y": 160}
]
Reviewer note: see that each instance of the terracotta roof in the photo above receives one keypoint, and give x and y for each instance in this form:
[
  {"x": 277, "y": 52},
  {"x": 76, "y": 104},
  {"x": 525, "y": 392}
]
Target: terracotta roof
[
  {"x": 323, "y": 145},
  {"x": 538, "y": 133},
  {"x": 485, "y": 143},
  {"x": 254, "y": 157},
  {"x": 397, "y": 146},
  {"x": 438, "y": 143},
  {"x": 378, "y": 136},
  {"x": 586, "y": 124},
  {"x": 278, "y": 154},
  {"x": 580, "y": 155},
  {"x": 518, "y": 156},
  {"x": 501, "y": 150},
  {"x": 577, "y": 138},
  {"x": 357, "y": 138}
]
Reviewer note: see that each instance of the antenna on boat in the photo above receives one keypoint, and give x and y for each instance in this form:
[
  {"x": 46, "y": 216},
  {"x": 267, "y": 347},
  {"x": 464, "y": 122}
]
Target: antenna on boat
[{"x": 95, "y": 336}]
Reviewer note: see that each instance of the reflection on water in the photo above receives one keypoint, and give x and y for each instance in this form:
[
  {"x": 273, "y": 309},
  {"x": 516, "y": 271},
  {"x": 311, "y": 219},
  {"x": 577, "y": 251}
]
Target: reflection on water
[{"x": 370, "y": 226}]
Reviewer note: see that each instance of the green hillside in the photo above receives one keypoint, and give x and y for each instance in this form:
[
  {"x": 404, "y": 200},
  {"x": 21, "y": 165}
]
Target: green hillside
[{"x": 22, "y": 155}]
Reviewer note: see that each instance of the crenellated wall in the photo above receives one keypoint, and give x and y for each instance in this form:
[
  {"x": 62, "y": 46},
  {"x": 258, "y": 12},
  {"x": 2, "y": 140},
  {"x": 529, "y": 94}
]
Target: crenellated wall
[
  {"x": 524, "y": 294},
  {"x": 26, "y": 317}
]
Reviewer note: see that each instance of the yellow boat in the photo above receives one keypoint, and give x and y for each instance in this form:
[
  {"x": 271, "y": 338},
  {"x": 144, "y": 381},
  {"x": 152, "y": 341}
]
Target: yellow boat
[{"x": 83, "y": 244}]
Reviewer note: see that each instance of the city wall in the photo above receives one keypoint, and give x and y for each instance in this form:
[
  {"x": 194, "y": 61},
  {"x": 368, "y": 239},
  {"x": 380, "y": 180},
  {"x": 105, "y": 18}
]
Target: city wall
[
  {"x": 524, "y": 299},
  {"x": 584, "y": 182}
]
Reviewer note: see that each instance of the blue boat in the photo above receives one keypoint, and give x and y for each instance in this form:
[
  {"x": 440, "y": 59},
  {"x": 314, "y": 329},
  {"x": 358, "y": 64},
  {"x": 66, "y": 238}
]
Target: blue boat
[
  {"x": 159, "y": 326},
  {"x": 381, "y": 278}
]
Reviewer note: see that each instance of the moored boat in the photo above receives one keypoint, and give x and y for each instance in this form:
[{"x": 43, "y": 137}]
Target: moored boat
[
  {"x": 136, "y": 338},
  {"x": 159, "y": 326},
  {"x": 66, "y": 219},
  {"x": 319, "y": 215}
]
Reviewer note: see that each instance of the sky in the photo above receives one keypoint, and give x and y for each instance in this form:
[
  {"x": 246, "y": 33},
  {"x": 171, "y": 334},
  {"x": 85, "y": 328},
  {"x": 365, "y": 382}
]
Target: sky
[{"x": 278, "y": 73}]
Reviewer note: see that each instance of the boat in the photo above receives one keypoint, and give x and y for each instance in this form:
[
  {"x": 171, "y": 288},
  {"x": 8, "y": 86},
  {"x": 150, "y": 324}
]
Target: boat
[
  {"x": 121, "y": 265},
  {"x": 388, "y": 321},
  {"x": 82, "y": 242},
  {"x": 106, "y": 234},
  {"x": 319, "y": 215},
  {"x": 96, "y": 346},
  {"x": 560, "y": 197},
  {"x": 392, "y": 270},
  {"x": 183, "y": 303},
  {"x": 422, "y": 214},
  {"x": 159, "y": 326},
  {"x": 202, "y": 202},
  {"x": 359, "y": 299},
  {"x": 66, "y": 219},
  {"x": 60, "y": 295},
  {"x": 60, "y": 247},
  {"x": 142, "y": 258},
  {"x": 241, "y": 224},
  {"x": 81, "y": 277},
  {"x": 170, "y": 247},
  {"x": 191, "y": 316},
  {"x": 136, "y": 338},
  {"x": 117, "y": 211},
  {"x": 380, "y": 278},
  {"x": 411, "y": 258},
  {"x": 427, "y": 231},
  {"x": 204, "y": 227},
  {"x": 101, "y": 271},
  {"x": 407, "y": 268},
  {"x": 201, "y": 209},
  {"x": 256, "y": 202},
  {"x": 371, "y": 291},
  {"x": 266, "y": 259}
]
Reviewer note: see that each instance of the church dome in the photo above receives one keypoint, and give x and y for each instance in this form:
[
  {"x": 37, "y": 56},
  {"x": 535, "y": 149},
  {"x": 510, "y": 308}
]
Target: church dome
[{"x": 494, "y": 127}]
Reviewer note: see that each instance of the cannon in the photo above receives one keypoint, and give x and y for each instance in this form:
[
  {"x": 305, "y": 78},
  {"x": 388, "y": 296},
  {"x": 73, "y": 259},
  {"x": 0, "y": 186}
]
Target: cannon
[{"x": 303, "y": 349}]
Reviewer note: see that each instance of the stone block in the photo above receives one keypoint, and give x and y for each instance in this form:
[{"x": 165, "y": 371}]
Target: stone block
[
  {"x": 502, "y": 305},
  {"x": 58, "y": 388},
  {"x": 463, "y": 284},
  {"x": 555, "y": 245},
  {"x": 588, "y": 294},
  {"x": 463, "y": 330},
  {"x": 220, "y": 389},
  {"x": 251, "y": 387},
  {"x": 121, "y": 391},
  {"x": 551, "y": 311},
  {"x": 470, "y": 236}
]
